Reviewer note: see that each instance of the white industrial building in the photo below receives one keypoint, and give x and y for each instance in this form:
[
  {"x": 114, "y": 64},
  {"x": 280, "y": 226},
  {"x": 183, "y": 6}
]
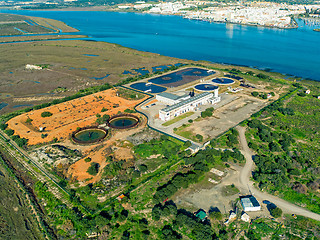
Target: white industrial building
[
  {"x": 170, "y": 99},
  {"x": 183, "y": 104},
  {"x": 250, "y": 203}
]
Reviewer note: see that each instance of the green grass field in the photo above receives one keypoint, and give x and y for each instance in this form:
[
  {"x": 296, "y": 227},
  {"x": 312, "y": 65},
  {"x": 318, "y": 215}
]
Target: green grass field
[{"x": 177, "y": 119}]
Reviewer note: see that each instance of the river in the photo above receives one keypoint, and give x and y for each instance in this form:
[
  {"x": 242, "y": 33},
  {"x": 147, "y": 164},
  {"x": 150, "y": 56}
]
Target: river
[{"x": 290, "y": 51}]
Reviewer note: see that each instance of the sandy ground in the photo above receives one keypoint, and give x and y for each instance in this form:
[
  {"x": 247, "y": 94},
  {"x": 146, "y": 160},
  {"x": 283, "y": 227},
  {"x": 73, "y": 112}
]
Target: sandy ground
[
  {"x": 227, "y": 116},
  {"x": 209, "y": 198},
  {"x": 99, "y": 152},
  {"x": 67, "y": 117}
]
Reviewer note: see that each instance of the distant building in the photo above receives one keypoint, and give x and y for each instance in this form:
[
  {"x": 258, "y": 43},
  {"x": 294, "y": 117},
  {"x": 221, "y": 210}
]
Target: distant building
[
  {"x": 250, "y": 203},
  {"x": 33, "y": 67},
  {"x": 183, "y": 104},
  {"x": 318, "y": 97},
  {"x": 308, "y": 91}
]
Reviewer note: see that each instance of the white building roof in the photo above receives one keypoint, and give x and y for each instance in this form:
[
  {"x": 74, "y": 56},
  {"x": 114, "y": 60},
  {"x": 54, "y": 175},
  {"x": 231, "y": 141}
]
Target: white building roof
[
  {"x": 169, "y": 96},
  {"x": 190, "y": 100},
  {"x": 249, "y": 202}
]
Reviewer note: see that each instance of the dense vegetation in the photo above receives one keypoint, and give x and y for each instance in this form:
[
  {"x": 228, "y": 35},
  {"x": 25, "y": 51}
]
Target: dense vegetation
[{"x": 286, "y": 139}]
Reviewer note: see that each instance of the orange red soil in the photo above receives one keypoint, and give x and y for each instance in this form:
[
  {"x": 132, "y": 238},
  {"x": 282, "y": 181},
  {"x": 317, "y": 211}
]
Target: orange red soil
[{"x": 68, "y": 116}]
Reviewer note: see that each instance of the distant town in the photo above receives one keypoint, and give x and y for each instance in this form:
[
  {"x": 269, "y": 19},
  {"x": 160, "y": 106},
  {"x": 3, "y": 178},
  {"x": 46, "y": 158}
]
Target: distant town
[{"x": 269, "y": 14}]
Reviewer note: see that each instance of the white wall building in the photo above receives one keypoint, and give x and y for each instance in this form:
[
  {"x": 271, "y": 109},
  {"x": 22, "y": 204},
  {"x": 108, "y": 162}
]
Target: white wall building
[
  {"x": 250, "y": 203},
  {"x": 170, "y": 99},
  {"x": 185, "y": 104}
]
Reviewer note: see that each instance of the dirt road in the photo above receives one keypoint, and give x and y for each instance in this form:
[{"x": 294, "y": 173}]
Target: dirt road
[{"x": 245, "y": 183}]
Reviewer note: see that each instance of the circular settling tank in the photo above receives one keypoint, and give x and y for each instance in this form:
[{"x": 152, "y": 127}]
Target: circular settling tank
[
  {"x": 205, "y": 87},
  {"x": 123, "y": 121},
  {"x": 89, "y": 135},
  {"x": 223, "y": 81}
]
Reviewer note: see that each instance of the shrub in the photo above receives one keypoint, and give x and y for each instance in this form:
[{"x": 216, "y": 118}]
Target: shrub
[
  {"x": 216, "y": 215},
  {"x": 143, "y": 168},
  {"x": 29, "y": 120},
  {"x": 263, "y": 76},
  {"x": 44, "y": 135},
  {"x": 255, "y": 94},
  {"x": 87, "y": 159},
  {"x": 276, "y": 212},
  {"x": 46, "y": 114}
]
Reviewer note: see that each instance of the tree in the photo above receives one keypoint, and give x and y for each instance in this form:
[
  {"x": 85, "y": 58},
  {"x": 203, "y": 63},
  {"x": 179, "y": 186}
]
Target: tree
[
  {"x": 156, "y": 212},
  {"x": 199, "y": 137},
  {"x": 3, "y": 126},
  {"x": 255, "y": 94},
  {"x": 94, "y": 168},
  {"x": 46, "y": 114},
  {"x": 9, "y": 132},
  {"x": 187, "y": 144}
]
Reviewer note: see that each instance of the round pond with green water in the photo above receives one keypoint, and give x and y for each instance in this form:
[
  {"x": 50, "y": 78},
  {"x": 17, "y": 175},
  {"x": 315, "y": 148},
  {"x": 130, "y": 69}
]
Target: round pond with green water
[
  {"x": 89, "y": 135},
  {"x": 123, "y": 121}
]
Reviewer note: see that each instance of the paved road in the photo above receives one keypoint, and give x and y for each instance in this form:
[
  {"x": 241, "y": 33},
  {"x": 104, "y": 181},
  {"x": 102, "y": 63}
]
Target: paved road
[{"x": 245, "y": 182}]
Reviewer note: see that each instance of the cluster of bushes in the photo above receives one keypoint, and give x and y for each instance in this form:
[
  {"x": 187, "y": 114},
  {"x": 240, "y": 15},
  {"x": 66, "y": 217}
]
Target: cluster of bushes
[
  {"x": 273, "y": 138},
  {"x": 19, "y": 141},
  {"x": 207, "y": 113},
  {"x": 113, "y": 168},
  {"x": 102, "y": 119},
  {"x": 211, "y": 156},
  {"x": 199, "y": 164},
  {"x": 183, "y": 219},
  {"x": 232, "y": 138},
  {"x": 179, "y": 181},
  {"x": 262, "y": 95}
]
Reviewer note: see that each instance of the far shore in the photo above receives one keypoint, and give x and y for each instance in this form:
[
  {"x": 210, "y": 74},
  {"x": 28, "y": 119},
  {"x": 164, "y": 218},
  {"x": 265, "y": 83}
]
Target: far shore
[{"x": 106, "y": 9}]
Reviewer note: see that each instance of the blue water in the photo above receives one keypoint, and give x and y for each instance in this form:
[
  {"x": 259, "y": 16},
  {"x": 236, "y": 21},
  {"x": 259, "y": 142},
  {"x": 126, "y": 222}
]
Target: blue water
[
  {"x": 148, "y": 88},
  {"x": 141, "y": 71},
  {"x": 22, "y": 105},
  {"x": 184, "y": 75},
  {"x": 223, "y": 80},
  {"x": 20, "y": 30},
  {"x": 100, "y": 78},
  {"x": 205, "y": 87},
  {"x": 127, "y": 72},
  {"x": 294, "y": 51},
  {"x": 91, "y": 55},
  {"x": 3, "y": 105}
]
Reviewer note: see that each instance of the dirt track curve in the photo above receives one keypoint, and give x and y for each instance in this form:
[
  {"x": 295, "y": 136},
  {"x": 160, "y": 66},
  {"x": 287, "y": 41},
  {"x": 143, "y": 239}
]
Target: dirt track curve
[{"x": 245, "y": 182}]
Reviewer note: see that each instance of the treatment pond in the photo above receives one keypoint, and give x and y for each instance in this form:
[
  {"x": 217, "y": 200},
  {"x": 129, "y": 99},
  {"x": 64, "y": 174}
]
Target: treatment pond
[
  {"x": 89, "y": 135},
  {"x": 123, "y": 121}
]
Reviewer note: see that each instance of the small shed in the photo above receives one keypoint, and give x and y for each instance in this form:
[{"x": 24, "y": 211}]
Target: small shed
[
  {"x": 250, "y": 203},
  {"x": 201, "y": 214}
]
